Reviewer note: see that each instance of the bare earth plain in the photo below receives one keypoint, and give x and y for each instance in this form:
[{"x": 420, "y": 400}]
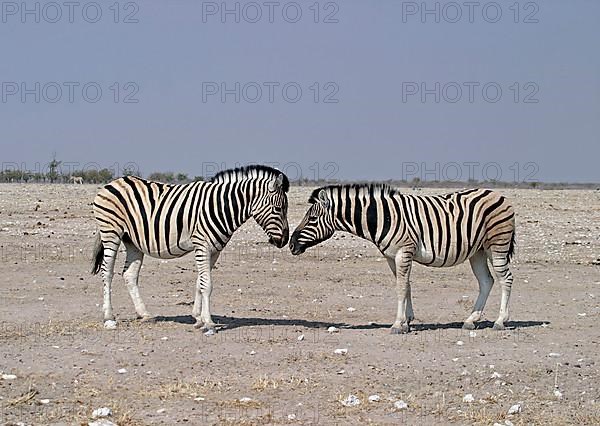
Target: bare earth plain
[{"x": 273, "y": 362}]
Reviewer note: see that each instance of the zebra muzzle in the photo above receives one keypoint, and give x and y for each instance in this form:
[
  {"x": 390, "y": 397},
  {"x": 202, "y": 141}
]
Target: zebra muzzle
[
  {"x": 279, "y": 242},
  {"x": 296, "y": 248}
]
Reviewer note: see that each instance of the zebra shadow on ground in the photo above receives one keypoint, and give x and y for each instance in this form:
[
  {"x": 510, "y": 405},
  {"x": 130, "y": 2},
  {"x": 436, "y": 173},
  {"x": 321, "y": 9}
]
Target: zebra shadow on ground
[{"x": 230, "y": 323}]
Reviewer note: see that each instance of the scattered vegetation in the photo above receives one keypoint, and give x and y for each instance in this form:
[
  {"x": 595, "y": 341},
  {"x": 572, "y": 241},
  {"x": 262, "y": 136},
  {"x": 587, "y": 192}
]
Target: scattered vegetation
[{"x": 57, "y": 171}]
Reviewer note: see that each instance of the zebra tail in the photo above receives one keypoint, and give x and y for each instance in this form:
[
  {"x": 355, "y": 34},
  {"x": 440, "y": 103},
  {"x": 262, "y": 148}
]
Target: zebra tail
[
  {"x": 511, "y": 247},
  {"x": 97, "y": 255}
]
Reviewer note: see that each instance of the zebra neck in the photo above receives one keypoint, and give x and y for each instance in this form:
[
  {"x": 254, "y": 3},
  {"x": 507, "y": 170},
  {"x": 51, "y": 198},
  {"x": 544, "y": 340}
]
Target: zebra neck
[
  {"x": 232, "y": 206},
  {"x": 358, "y": 218}
]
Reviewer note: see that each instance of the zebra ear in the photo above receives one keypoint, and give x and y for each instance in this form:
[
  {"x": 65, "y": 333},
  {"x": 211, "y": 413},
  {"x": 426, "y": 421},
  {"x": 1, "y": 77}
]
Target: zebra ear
[
  {"x": 324, "y": 198},
  {"x": 276, "y": 186}
]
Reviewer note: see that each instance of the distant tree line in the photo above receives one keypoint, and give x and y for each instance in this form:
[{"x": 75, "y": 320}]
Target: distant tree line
[
  {"x": 54, "y": 174},
  {"x": 170, "y": 177}
]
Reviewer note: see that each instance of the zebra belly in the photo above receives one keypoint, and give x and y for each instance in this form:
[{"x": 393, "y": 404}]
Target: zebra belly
[
  {"x": 167, "y": 250},
  {"x": 429, "y": 257}
]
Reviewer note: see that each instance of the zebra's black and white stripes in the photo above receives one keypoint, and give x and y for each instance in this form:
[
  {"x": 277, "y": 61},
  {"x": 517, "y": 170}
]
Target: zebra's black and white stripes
[
  {"x": 168, "y": 221},
  {"x": 446, "y": 230}
]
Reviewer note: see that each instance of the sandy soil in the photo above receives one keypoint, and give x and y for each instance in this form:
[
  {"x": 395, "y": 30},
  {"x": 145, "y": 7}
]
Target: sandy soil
[{"x": 275, "y": 348}]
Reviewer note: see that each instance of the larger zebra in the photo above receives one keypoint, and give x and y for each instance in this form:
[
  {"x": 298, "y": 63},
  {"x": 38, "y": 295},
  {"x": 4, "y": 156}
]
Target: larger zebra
[
  {"x": 169, "y": 221},
  {"x": 446, "y": 230}
]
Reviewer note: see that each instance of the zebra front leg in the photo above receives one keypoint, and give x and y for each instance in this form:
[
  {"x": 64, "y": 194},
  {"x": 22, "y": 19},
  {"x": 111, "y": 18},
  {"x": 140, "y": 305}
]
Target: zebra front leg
[
  {"x": 201, "y": 310},
  {"x": 410, "y": 313},
  {"x": 198, "y": 295},
  {"x": 500, "y": 264},
  {"x": 131, "y": 272},
  {"x": 480, "y": 268},
  {"x": 403, "y": 262}
]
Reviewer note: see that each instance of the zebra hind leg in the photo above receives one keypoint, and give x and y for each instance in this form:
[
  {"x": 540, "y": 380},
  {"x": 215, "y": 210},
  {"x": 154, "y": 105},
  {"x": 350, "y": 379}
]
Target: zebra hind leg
[
  {"x": 204, "y": 263},
  {"x": 479, "y": 266},
  {"x": 110, "y": 245},
  {"x": 131, "y": 273},
  {"x": 500, "y": 263}
]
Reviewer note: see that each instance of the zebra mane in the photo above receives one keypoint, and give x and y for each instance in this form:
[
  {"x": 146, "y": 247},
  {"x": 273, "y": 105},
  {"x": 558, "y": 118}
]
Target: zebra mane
[
  {"x": 249, "y": 172},
  {"x": 361, "y": 188}
]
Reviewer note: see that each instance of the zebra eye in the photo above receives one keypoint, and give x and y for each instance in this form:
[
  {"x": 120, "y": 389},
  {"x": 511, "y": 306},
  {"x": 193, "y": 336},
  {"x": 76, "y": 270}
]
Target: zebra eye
[{"x": 276, "y": 209}]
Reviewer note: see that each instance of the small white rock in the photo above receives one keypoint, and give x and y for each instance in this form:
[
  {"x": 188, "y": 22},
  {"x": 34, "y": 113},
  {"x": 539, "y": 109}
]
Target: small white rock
[
  {"x": 331, "y": 330},
  {"x": 110, "y": 324},
  {"x": 351, "y": 309},
  {"x": 44, "y": 401},
  {"x": 472, "y": 334},
  {"x": 374, "y": 398},
  {"x": 558, "y": 394},
  {"x": 301, "y": 337},
  {"x": 460, "y": 343},
  {"x": 341, "y": 351},
  {"x": 515, "y": 409},
  {"x": 400, "y": 405},
  {"x": 198, "y": 398},
  {"x": 245, "y": 400},
  {"x": 121, "y": 371},
  {"x": 553, "y": 355},
  {"x": 496, "y": 375},
  {"x": 351, "y": 401},
  {"x": 8, "y": 377},
  {"x": 252, "y": 352},
  {"x": 291, "y": 416},
  {"x": 209, "y": 332},
  {"x": 341, "y": 371},
  {"x": 468, "y": 398},
  {"x": 161, "y": 410},
  {"x": 101, "y": 412}
]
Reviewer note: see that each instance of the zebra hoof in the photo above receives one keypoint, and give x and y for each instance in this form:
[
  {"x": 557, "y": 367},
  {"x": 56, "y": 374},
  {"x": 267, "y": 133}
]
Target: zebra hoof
[
  {"x": 110, "y": 324},
  {"x": 499, "y": 326},
  {"x": 403, "y": 329},
  {"x": 468, "y": 326},
  {"x": 207, "y": 328}
]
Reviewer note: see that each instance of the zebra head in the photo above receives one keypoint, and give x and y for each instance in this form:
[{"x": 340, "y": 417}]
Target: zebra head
[
  {"x": 270, "y": 211},
  {"x": 317, "y": 225}
]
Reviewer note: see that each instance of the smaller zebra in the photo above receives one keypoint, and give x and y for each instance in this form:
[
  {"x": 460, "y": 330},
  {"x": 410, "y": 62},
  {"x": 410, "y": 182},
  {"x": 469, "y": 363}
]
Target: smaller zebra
[
  {"x": 439, "y": 231},
  {"x": 168, "y": 221}
]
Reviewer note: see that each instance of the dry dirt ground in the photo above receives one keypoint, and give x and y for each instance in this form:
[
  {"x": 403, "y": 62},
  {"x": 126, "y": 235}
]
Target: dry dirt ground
[{"x": 167, "y": 372}]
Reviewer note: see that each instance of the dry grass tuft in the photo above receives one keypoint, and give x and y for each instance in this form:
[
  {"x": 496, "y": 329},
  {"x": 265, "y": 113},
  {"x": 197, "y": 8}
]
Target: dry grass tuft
[
  {"x": 24, "y": 398},
  {"x": 236, "y": 403},
  {"x": 293, "y": 382},
  {"x": 263, "y": 383},
  {"x": 181, "y": 389}
]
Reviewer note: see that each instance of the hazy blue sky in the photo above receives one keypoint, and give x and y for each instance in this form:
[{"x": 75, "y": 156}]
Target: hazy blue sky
[{"x": 370, "y": 61}]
